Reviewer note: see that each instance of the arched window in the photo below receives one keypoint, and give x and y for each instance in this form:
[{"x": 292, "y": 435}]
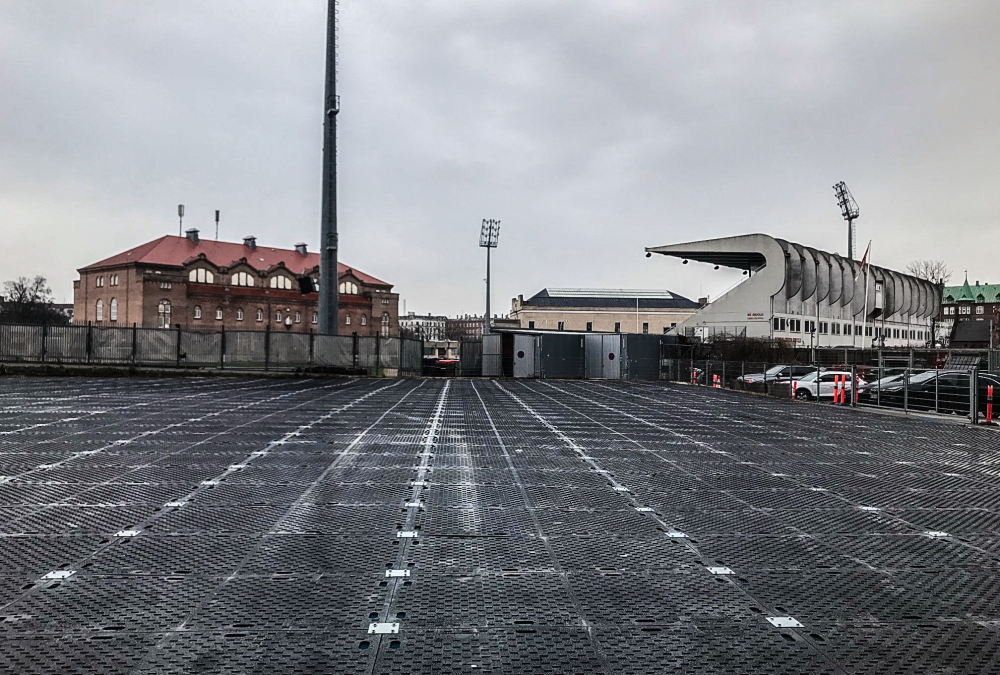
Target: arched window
[
  {"x": 298, "y": 318},
  {"x": 197, "y": 311},
  {"x": 114, "y": 309},
  {"x": 364, "y": 320},
  {"x": 242, "y": 279},
  {"x": 163, "y": 314},
  {"x": 277, "y": 317},
  {"x": 100, "y": 310},
  {"x": 260, "y": 314},
  {"x": 347, "y": 321},
  {"x": 201, "y": 276},
  {"x": 239, "y": 314},
  {"x": 218, "y": 314},
  {"x": 385, "y": 323},
  {"x": 315, "y": 317},
  {"x": 348, "y": 288},
  {"x": 282, "y": 282}
]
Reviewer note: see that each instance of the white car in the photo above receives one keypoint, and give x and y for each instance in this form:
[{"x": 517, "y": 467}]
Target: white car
[{"x": 805, "y": 388}]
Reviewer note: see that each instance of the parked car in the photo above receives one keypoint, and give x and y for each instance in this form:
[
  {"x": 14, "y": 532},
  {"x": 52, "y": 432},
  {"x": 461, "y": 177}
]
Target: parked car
[
  {"x": 807, "y": 388},
  {"x": 945, "y": 391},
  {"x": 777, "y": 374},
  {"x": 870, "y": 390}
]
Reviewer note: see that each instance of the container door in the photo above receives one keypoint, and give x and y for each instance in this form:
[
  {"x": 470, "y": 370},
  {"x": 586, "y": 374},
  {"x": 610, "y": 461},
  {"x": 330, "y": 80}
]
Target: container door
[
  {"x": 524, "y": 355},
  {"x": 492, "y": 363},
  {"x": 594, "y": 354},
  {"x": 612, "y": 357}
]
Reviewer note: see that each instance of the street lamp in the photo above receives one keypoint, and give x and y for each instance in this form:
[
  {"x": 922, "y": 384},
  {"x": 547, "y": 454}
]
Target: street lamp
[{"x": 488, "y": 236}]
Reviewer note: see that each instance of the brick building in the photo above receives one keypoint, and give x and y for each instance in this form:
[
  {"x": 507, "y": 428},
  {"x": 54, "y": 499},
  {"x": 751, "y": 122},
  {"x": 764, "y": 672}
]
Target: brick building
[
  {"x": 207, "y": 285},
  {"x": 968, "y": 304}
]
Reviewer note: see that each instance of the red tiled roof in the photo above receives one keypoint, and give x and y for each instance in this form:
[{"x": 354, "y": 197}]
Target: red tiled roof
[{"x": 174, "y": 250}]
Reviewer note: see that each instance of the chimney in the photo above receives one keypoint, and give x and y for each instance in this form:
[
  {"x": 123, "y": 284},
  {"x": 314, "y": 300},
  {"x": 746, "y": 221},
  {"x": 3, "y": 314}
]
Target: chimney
[
  {"x": 192, "y": 234},
  {"x": 300, "y": 248},
  {"x": 702, "y": 301},
  {"x": 250, "y": 242}
]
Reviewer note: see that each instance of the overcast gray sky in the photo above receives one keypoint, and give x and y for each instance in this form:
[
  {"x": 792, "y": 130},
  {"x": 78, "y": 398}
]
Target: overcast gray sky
[{"x": 590, "y": 128}]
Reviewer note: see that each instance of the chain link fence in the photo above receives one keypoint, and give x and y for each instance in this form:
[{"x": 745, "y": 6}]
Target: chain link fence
[{"x": 237, "y": 350}]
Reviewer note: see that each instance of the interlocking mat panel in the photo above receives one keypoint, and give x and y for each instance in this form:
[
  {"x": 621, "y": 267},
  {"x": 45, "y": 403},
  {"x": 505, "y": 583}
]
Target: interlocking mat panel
[{"x": 213, "y": 526}]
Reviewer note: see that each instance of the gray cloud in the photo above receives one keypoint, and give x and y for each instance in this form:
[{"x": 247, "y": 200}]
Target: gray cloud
[{"x": 591, "y": 129}]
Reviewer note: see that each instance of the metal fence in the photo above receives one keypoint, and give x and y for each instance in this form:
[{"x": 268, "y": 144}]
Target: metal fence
[
  {"x": 966, "y": 392},
  {"x": 246, "y": 350}
]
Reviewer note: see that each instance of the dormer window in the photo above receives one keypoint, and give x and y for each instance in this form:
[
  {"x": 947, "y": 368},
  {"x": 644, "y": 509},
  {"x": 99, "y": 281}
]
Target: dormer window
[
  {"x": 242, "y": 279},
  {"x": 281, "y": 282},
  {"x": 348, "y": 288},
  {"x": 201, "y": 276}
]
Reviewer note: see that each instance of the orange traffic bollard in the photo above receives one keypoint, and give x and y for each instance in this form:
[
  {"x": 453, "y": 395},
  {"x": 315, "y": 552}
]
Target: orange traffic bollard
[
  {"x": 715, "y": 381},
  {"x": 836, "y": 389}
]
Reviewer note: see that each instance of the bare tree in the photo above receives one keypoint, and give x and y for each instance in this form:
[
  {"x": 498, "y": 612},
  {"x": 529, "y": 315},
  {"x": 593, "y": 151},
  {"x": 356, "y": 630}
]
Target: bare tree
[
  {"x": 931, "y": 270},
  {"x": 453, "y": 330},
  {"x": 29, "y": 301}
]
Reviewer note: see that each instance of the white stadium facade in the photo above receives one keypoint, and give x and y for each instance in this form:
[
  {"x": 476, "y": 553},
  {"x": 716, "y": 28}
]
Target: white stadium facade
[{"x": 809, "y": 297}]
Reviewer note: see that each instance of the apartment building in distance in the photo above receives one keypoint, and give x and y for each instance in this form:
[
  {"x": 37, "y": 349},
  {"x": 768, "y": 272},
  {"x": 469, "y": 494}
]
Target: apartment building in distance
[{"x": 196, "y": 284}]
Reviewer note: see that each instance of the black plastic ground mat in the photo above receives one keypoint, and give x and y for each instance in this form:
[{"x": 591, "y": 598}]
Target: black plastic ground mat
[{"x": 474, "y": 526}]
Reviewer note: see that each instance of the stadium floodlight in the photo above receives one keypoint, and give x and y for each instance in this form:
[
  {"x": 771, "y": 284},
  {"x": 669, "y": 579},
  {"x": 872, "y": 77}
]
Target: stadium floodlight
[
  {"x": 489, "y": 235},
  {"x": 849, "y": 209}
]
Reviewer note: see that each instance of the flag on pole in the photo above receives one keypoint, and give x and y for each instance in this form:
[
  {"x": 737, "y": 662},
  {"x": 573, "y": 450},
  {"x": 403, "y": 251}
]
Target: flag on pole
[{"x": 864, "y": 260}]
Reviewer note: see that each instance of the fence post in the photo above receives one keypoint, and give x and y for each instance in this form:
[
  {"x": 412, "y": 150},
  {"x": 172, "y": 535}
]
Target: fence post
[
  {"x": 937, "y": 377},
  {"x": 222, "y": 349},
  {"x": 135, "y": 342},
  {"x": 378, "y": 354},
  {"x": 973, "y": 395},
  {"x": 723, "y": 374},
  {"x": 312, "y": 347},
  {"x": 267, "y": 346},
  {"x": 354, "y": 349},
  {"x": 90, "y": 340},
  {"x": 765, "y": 378},
  {"x": 45, "y": 336},
  {"x": 854, "y": 385},
  {"x": 819, "y": 375},
  {"x": 906, "y": 390},
  {"x": 178, "y": 344}
]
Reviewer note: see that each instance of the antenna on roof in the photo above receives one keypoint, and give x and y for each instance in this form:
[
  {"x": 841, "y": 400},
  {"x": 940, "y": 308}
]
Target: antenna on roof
[
  {"x": 180, "y": 215},
  {"x": 849, "y": 209},
  {"x": 216, "y": 224}
]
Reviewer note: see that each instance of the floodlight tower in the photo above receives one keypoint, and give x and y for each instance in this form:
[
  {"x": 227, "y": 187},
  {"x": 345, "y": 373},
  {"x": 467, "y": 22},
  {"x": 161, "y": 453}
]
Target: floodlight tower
[
  {"x": 328, "y": 276},
  {"x": 849, "y": 209},
  {"x": 488, "y": 236}
]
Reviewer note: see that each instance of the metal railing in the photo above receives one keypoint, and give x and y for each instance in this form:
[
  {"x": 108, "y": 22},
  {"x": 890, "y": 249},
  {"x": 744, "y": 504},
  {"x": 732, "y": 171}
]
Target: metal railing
[
  {"x": 242, "y": 350},
  {"x": 966, "y": 392}
]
